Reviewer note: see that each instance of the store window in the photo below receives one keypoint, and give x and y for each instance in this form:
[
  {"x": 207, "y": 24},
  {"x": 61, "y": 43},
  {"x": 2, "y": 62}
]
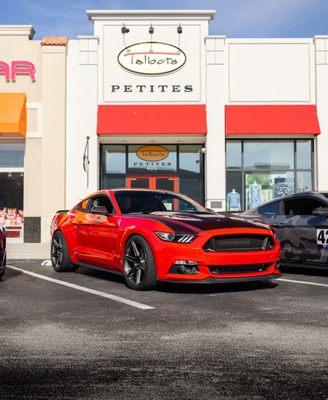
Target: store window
[
  {"x": 12, "y": 189},
  {"x": 155, "y": 166},
  {"x": 261, "y": 170}
]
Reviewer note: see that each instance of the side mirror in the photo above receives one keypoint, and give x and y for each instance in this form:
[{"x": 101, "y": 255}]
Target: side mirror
[
  {"x": 320, "y": 211},
  {"x": 210, "y": 210},
  {"x": 99, "y": 210}
]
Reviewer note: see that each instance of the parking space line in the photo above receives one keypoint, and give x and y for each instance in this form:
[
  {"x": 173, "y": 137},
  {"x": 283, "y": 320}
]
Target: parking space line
[
  {"x": 303, "y": 282},
  {"x": 85, "y": 289}
]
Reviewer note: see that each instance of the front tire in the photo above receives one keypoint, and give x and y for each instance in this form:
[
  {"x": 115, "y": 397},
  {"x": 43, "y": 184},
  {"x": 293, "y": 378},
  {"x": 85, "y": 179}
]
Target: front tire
[
  {"x": 3, "y": 266},
  {"x": 139, "y": 268},
  {"x": 60, "y": 258}
]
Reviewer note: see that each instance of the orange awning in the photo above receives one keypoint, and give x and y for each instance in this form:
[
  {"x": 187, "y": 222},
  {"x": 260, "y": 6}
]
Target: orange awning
[{"x": 12, "y": 114}]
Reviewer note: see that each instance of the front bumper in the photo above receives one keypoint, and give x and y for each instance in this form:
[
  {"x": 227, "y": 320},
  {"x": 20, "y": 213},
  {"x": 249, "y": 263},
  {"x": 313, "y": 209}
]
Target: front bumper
[
  {"x": 166, "y": 254},
  {"x": 211, "y": 280}
]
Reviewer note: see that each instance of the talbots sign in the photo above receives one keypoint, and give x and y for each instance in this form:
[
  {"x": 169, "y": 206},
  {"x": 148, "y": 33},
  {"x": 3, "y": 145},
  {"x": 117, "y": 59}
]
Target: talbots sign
[
  {"x": 152, "y": 58},
  {"x": 152, "y": 153}
]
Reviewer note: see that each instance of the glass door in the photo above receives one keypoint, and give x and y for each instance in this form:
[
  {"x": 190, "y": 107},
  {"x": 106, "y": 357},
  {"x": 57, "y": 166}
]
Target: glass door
[
  {"x": 153, "y": 182},
  {"x": 138, "y": 182}
]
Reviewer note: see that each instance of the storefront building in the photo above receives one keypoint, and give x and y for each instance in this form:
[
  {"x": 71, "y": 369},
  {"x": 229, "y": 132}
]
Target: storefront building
[
  {"x": 151, "y": 100},
  {"x": 154, "y": 101},
  {"x": 32, "y": 132}
]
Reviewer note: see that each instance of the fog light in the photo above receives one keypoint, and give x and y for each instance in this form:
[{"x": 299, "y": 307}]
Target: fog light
[{"x": 184, "y": 267}]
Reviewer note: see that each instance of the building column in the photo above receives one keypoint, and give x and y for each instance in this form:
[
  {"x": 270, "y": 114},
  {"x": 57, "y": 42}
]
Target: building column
[
  {"x": 321, "y": 52},
  {"x": 82, "y": 106},
  {"x": 215, "y": 171},
  {"x": 54, "y": 131}
]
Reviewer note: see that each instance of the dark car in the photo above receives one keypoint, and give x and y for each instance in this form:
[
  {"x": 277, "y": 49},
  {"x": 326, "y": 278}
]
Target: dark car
[
  {"x": 301, "y": 225},
  {"x": 2, "y": 251}
]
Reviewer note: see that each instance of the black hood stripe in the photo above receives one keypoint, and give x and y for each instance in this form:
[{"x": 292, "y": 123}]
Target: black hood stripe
[{"x": 197, "y": 223}]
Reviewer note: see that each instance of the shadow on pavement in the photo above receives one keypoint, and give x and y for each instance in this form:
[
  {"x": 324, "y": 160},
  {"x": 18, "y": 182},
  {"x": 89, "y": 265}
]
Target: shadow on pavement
[
  {"x": 199, "y": 288},
  {"x": 305, "y": 270},
  {"x": 185, "y": 287},
  {"x": 10, "y": 274}
]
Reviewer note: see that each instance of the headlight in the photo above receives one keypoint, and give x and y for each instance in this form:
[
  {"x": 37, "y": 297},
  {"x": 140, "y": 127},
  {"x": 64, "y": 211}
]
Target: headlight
[{"x": 175, "y": 237}]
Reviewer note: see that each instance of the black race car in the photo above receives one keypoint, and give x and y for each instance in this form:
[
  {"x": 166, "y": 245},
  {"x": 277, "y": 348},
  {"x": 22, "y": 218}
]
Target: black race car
[{"x": 301, "y": 225}]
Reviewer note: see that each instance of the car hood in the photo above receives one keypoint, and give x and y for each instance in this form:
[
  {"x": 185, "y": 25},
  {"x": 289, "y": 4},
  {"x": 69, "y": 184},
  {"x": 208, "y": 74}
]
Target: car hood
[{"x": 196, "y": 223}]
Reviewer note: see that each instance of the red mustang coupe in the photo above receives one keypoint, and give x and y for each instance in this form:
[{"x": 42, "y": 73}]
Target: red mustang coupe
[{"x": 154, "y": 235}]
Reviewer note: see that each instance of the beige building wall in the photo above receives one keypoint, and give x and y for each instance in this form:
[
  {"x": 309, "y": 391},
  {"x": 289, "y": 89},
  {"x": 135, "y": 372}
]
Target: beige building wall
[
  {"x": 44, "y": 164},
  {"x": 54, "y": 134}
]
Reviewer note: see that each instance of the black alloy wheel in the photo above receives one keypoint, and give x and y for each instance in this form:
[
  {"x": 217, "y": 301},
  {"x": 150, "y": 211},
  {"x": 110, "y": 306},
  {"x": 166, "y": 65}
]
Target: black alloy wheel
[
  {"x": 139, "y": 265},
  {"x": 60, "y": 259}
]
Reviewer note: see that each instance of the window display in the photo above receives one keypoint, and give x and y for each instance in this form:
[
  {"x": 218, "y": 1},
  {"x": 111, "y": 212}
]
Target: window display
[
  {"x": 233, "y": 201},
  {"x": 263, "y": 187},
  {"x": 11, "y": 203},
  {"x": 262, "y": 170}
]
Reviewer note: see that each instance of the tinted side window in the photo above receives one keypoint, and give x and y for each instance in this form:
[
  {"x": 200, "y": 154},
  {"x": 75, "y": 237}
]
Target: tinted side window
[
  {"x": 101, "y": 201},
  {"x": 301, "y": 206},
  {"x": 82, "y": 207},
  {"x": 270, "y": 209}
]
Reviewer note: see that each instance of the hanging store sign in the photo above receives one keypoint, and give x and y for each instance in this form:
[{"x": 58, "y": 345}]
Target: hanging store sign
[
  {"x": 152, "y": 158},
  {"x": 152, "y": 58},
  {"x": 152, "y": 153}
]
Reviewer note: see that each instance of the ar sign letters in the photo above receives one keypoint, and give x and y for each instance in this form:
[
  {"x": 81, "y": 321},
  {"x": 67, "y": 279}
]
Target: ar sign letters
[{"x": 10, "y": 71}]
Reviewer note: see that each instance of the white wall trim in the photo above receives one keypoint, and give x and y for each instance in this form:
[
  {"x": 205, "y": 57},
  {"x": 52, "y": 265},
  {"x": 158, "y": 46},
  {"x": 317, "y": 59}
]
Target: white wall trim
[{"x": 35, "y": 106}]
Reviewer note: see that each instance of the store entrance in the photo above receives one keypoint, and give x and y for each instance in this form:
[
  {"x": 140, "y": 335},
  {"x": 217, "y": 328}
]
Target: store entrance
[{"x": 153, "y": 182}]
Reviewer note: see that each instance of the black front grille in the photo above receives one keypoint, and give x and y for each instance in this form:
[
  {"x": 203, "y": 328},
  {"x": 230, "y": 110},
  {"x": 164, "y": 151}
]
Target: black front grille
[
  {"x": 237, "y": 269},
  {"x": 235, "y": 243}
]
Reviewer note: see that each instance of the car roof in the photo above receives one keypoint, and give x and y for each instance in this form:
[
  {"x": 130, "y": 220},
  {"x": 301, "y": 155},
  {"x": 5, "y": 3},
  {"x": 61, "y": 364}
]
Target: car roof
[
  {"x": 317, "y": 194},
  {"x": 118, "y": 190}
]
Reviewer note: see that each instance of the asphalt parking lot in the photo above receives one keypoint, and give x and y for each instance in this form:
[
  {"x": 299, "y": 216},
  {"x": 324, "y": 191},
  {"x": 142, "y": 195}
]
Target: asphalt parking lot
[{"x": 84, "y": 335}]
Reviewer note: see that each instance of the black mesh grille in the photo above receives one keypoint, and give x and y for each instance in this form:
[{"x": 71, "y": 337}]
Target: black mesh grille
[
  {"x": 237, "y": 269},
  {"x": 235, "y": 243}
]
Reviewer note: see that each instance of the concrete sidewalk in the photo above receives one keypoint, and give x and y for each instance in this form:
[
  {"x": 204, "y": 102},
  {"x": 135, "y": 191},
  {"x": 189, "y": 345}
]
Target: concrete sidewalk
[{"x": 28, "y": 251}]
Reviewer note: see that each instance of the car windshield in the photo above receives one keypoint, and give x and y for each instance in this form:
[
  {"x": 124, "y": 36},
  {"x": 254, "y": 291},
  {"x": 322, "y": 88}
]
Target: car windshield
[{"x": 136, "y": 201}]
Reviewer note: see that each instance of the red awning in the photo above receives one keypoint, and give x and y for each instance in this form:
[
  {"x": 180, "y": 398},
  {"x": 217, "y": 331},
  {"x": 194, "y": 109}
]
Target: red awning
[
  {"x": 272, "y": 120},
  {"x": 151, "y": 119}
]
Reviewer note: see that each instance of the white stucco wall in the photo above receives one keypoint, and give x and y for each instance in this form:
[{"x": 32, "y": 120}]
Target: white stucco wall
[
  {"x": 81, "y": 118},
  {"x": 222, "y": 71},
  {"x": 321, "y": 45}
]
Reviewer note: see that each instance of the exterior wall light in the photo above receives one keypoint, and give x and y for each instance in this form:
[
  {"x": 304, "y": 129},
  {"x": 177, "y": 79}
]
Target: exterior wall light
[
  {"x": 86, "y": 159},
  {"x": 151, "y": 29},
  {"x": 124, "y": 29},
  {"x": 179, "y": 29}
]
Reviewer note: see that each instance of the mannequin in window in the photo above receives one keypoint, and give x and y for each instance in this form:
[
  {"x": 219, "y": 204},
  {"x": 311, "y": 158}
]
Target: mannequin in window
[
  {"x": 233, "y": 201},
  {"x": 255, "y": 194}
]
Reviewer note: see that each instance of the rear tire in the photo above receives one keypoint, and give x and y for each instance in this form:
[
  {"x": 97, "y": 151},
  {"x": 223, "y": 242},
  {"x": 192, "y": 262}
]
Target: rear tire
[
  {"x": 139, "y": 269},
  {"x": 60, "y": 258},
  {"x": 3, "y": 266}
]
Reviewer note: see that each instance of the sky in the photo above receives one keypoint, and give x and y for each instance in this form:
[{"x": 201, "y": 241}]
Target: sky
[{"x": 234, "y": 18}]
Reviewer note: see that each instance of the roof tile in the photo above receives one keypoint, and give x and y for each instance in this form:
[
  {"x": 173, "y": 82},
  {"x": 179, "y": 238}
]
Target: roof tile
[{"x": 54, "y": 41}]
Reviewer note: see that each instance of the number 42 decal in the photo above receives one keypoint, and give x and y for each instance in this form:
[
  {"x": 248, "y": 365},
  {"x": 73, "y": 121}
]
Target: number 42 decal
[{"x": 322, "y": 237}]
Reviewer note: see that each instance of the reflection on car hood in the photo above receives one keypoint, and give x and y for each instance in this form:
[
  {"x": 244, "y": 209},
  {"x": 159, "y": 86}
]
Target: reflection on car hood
[{"x": 193, "y": 222}]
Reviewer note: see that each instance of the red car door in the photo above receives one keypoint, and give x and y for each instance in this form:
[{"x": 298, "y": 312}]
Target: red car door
[{"x": 98, "y": 232}]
